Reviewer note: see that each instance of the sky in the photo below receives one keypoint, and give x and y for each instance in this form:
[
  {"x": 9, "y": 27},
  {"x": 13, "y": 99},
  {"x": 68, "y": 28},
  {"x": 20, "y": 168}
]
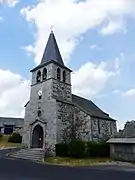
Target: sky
[{"x": 95, "y": 38}]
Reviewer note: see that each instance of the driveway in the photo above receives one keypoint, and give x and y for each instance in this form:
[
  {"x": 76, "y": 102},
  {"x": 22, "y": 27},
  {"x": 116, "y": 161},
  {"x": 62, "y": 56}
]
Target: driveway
[{"x": 11, "y": 169}]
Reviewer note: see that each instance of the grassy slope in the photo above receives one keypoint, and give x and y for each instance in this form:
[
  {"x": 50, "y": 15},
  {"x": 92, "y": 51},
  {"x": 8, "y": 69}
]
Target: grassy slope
[
  {"x": 76, "y": 162},
  {"x": 4, "y": 142}
]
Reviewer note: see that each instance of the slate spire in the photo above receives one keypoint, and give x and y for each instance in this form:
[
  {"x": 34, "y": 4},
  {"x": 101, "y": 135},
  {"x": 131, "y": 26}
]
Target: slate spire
[{"x": 51, "y": 51}]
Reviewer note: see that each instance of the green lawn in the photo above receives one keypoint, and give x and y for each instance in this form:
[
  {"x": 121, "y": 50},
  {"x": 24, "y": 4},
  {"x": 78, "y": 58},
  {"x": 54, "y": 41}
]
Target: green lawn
[
  {"x": 4, "y": 143},
  {"x": 76, "y": 162}
]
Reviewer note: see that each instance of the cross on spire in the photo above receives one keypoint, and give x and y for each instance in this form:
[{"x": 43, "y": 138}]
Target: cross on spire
[{"x": 51, "y": 28}]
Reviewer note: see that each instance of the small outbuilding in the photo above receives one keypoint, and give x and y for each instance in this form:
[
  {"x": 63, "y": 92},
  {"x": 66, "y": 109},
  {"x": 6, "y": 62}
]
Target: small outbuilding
[
  {"x": 9, "y": 125},
  {"x": 122, "y": 149}
]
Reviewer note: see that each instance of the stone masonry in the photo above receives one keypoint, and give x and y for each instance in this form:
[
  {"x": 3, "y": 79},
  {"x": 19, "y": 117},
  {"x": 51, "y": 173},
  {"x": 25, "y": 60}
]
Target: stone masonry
[{"x": 51, "y": 111}]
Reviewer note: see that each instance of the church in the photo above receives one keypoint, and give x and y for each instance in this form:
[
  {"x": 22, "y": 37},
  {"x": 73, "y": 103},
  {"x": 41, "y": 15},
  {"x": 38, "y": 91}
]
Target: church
[{"x": 52, "y": 106}]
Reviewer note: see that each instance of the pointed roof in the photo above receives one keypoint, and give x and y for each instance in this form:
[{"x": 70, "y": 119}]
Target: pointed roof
[
  {"x": 52, "y": 51},
  {"x": 51, "y": 54}
]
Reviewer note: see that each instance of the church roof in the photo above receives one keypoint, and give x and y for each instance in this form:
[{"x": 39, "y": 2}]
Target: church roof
[
  {"x": 51, "y": 54},
  {"x": 51, "y": 51},
  {"x": 90, "y": 107}
]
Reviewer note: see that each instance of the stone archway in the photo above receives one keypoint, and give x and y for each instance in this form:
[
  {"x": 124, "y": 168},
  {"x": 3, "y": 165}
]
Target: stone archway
[{"x": 37, "y": 137}]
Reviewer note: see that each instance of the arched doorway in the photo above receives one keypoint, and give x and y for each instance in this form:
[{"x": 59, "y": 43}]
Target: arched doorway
[{"x": 37, "y": 137}]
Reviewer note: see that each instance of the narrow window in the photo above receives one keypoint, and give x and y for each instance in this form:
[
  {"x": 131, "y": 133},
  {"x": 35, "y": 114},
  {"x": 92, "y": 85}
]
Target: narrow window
[
  {"x": 40, "y": 96},
  {"x": 38, "y": 76},
  {"x": 58, "y": 73},
  {"x": 64, "y": 76},
  {"x": 44, "y": 75},
  {"x": 98, "y": 126},
  {"x": 39, "y": 113},
  {"x": 110, "y": 128}
]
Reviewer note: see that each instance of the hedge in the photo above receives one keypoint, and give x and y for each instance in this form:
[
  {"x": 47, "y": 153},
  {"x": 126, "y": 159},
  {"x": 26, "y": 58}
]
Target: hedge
[
  {"x": 15, "y": 138},
  {"x": 61, "y": 149},
  {"x": 1, "y": 135},
  {"x": 81, "y": 149},
  {"x": 77, "y": 149},
  {"x": 97, "y": 149}
]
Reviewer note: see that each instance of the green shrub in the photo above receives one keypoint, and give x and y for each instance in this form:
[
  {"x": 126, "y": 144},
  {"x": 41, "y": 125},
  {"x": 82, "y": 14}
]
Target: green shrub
[
  {"x": 1, "y": 135},
  {"x": 81, "y": 149},
  {"x": 15, "y": 138},
  {"x": 77, "y": 149},
  {"x": 61, "y": 149},
  {"x": 97, "y": 149}
]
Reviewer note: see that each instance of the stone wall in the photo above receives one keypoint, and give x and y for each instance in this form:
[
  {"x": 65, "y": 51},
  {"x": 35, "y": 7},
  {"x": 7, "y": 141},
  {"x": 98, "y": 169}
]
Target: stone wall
[
  {"x": 122, "y": 152},
  {"x": 64, "y": 120},
  {"x": 86, "y": 128},
  {"x": 47, "y": 121},
  {"x": 61, "y": 90},
  {"x": 83, "y": 124},
  {"x": 72, "y": 121},
  {"x": 102, "y": 128}
]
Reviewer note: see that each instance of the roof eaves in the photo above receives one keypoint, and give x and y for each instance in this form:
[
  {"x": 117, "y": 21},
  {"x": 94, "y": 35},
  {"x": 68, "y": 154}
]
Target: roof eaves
[{"x": 45, "y": 64}]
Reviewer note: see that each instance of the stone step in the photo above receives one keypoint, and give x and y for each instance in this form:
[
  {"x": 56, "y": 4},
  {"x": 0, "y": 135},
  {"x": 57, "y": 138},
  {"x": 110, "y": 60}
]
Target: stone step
[
  {"x": 27, "y": 157},
  {"x": 27, "y": 152},
  {"x": 31, "y": 154}
]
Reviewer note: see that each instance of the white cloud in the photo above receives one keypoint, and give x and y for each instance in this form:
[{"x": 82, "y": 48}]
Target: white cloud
[
  {"x": 129, "y": 93},
  {"x": 69, "y": 27},
  {"x": 14, "y": 92},
  {"x": 91, "y": 79},
  {"x": 10, "y": 3},
  {"x": 113, "y": 27}
]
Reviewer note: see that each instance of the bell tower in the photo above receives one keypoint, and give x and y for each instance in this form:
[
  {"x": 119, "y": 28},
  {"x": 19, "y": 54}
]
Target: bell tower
[
  {"x": 51, "y": 82},
  {"x": 52, "y": 77}
]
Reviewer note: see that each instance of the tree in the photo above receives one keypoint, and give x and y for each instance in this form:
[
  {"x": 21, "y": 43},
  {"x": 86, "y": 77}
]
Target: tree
[{"x": 128, "y": 131}]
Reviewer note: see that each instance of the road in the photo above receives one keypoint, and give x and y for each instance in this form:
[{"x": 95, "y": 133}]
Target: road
[{"x": 11, "y": 169}]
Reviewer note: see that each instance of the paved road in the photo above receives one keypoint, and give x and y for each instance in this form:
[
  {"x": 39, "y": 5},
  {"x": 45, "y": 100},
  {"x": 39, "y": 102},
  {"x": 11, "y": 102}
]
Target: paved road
[{"x": 11, "y": 169}]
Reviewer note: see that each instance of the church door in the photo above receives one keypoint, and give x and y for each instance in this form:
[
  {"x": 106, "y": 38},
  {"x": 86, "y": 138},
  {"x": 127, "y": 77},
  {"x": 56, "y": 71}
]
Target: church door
[{"x": 37, "y": 137}]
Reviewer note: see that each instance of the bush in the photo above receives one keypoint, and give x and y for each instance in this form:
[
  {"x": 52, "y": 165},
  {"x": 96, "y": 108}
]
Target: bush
[
  {"x": 77, "y": 149},
  {"x": 81, "y": 149},
  {"x": 15, "y": 138},
  {"x": 1, "y": 135},
  {"x": 97, "y": 149},
  {"x": 61, "y": 149}
]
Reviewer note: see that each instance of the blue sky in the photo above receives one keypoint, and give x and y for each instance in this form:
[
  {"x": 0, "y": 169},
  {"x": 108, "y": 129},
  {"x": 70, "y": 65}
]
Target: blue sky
[{"x": 98, "y": 45}]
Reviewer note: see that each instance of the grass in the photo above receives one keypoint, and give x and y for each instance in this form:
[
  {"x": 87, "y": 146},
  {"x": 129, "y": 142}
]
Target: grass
[
  {"x": 67, "y": 161},
  {"x": 5, "y": 144}
]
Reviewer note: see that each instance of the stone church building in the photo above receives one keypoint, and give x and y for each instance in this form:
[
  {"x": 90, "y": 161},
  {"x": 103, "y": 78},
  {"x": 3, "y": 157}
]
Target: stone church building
[{"x": 52, "y": 106}]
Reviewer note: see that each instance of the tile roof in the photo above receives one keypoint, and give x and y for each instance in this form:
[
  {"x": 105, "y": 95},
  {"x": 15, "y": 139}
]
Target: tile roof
[
  {"x": 90, "y": 107},
  {"x": 18, "y": 122},
  {"x": 121, "y": 140},
  {"x": 51, "y": 51}
]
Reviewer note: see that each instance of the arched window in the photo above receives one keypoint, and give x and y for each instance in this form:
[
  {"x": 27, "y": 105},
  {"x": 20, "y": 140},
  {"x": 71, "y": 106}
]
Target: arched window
[
  {"x": 39, "y": 113},
  {"x": 38, "y": 76},
  {"x": 44, "y": 75},
  {"x": 64, "y": 76},
  {"x": 58, "y": 73}
]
